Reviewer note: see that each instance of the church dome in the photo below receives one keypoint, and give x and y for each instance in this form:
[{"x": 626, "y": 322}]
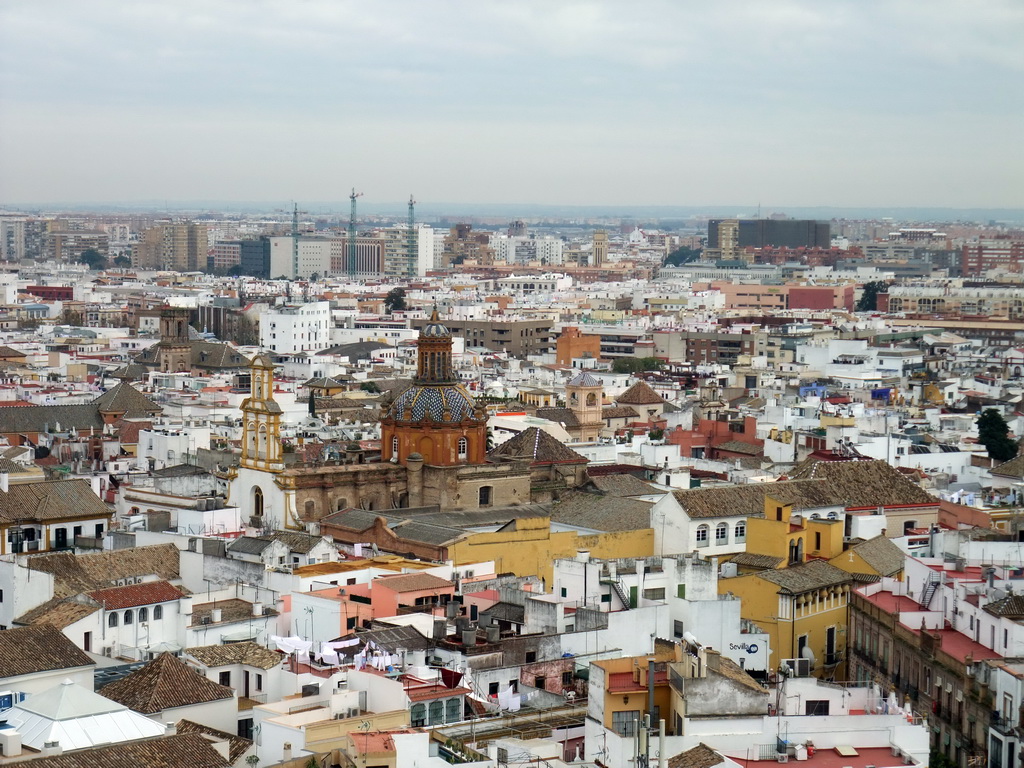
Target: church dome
[
  {"x": 433, "y": 402},
  {"x": 435, "y": 330}
]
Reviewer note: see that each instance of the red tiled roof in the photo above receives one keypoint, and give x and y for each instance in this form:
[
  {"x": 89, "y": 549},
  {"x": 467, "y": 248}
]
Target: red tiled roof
[
  {"x": 428, "y": 692},
  {"x": 136, "y": 594}
]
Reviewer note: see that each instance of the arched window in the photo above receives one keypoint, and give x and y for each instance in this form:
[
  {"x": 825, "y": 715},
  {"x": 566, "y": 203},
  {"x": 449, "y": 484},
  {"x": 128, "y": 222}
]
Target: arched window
[
  {"x": 452, "y": 713},
  {"x": 143, "y": 615},
  {"x": 485, "y": 495},
  {"x": 127, "y": 617},
  {"x": 702, "y": 535},
  {"x": 436, "y": 709},
  {"x": 463, "y": 448},
  {"x": 158, "y": 612},
  {"x": 418, "y": 715},
  {"x": 740, "y": 532},
  {"x": 591, "y": 399},
  {"x": 257, "y": 501},
  {"x": 111, "y": 619},
  {"x": 309, "y": 508},
  {"x": 722, "y": 533}
]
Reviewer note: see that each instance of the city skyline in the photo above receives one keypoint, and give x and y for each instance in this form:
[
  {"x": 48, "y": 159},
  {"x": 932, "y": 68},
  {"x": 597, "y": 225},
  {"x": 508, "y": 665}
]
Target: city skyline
[{"x": 797, "y": 104}]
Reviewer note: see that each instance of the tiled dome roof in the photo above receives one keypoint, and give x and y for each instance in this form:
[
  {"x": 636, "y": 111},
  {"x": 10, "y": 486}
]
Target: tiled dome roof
[
  {"x": 432, "y": 399},
  {"x": 584, "y": 379},
  {"x": 435, "y": 331}
]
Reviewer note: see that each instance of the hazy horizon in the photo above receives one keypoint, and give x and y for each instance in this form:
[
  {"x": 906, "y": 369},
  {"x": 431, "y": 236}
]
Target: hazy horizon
[{"x": 795, "y": 104}]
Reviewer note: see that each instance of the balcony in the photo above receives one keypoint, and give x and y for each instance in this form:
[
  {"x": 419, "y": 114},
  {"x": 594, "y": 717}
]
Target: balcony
[{"x": 1002, "y": 725}]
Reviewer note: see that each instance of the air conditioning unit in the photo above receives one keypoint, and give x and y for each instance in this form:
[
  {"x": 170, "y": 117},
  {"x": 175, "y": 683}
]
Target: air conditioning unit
[
  {"x": 108, "y": 651},
  {"x": 783, "y": 758}
]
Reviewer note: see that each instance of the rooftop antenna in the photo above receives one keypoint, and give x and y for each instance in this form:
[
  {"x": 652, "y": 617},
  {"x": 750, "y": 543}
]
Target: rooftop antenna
[{"x": 352, "y": 233}]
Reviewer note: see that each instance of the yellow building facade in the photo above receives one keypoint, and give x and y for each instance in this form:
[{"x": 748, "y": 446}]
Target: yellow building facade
[{"x": 528, "y": 547}]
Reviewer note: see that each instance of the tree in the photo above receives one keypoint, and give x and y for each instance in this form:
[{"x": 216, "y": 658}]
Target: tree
[
  {"x": 93, "y": 259},
  {"x": 70, "y": 317},
  {"x": 635, "y": 364},
  {"x": 868, "y": 301},
  {"x": 994, "y": 434},
  {"x": 395, "y": 300},
  {"x": 122, "y": 261},
  {"x": 370, "y": 386}
]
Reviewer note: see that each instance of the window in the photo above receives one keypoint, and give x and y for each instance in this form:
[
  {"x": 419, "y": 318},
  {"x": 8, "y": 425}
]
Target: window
[
  {"x": 606, "y": 597},
  {"x": 485, "y": 496},
  {"x": 565, "y": 592},
  {"x": 722, "y": 533},
  {"x": 492, "y": 689},
  {"x": 657, "y": 593},
  {"x": 394, "y": 445},
  {"x": 111, "y": 619},
  {"x": 816, "y": 707},
  {"x": 128, "y": 617},
  {"x": 531, "y": 656},
  {"x": 158, "y": 612},
  {"x": 740, "y": 532},
  {"x": 259, "y": 682},
  {"x": 702, "y": 535},
  {"x": 453, "y": 710},
  {"x": 539, "y": 681},
  {"x": 418, "y": 715},
  {"x": 567, "y": 679},
  {"x": 623, "y": 722},
  {"x": 677, "y": 628},
  {"x": 463, "y": 448},
  {"x": 225, "y": 679}
]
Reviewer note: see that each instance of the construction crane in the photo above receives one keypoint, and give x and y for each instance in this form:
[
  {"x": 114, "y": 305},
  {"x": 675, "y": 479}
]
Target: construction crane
[
  {"x": 352, "y": 233},
  {"x": 410, "y": 267}
]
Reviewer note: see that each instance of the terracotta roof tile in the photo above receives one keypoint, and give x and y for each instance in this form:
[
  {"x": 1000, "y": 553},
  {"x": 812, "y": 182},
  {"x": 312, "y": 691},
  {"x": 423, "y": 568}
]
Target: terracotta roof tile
[
  {"x": 864, "y": 483},
  {"x": 249, "y": 653},
  {"x": 74, "y": 574},
  {"x": 58, "y": 612},
  {"x": 42, "y": 648},
  {"x": 538, "y": 447},
  {"x": 237, "y": 746},
  {"x": 189, "y": 750},
  {"x": 135, "y": 595},
  {"x": 639, "y": 394},
  {"x": 164, "y": 683},
  {"x": 701, "y": 756},
  {"x": 51, "y": 500},
  {"x": 413, "y": 582}
]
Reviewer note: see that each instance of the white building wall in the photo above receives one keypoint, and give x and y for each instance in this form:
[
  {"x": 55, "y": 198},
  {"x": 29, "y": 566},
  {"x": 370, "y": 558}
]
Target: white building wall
[{"x": 297, "y": 329}]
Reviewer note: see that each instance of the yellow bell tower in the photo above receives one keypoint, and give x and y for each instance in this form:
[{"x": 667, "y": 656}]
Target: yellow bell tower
[{"x": 261, "y": 420}]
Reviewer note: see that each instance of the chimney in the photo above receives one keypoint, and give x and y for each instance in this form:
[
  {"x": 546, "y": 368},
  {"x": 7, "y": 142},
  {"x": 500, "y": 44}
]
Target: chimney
[
  {"x": 52, "y": 748},
  {"x": 94, "y": 481},
  {"x": 712, "y": 658},
  {"x": 5, "y": 482},
  {"x": 440, "y": 629},
  {"x": 469, "y": 636},
  {"x": 286, "y": 752},
  {"x": 170, "y": 728}
]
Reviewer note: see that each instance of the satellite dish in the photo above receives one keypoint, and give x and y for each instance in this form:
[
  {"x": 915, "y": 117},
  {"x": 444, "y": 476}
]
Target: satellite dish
[{"x": 807, "y": 653}]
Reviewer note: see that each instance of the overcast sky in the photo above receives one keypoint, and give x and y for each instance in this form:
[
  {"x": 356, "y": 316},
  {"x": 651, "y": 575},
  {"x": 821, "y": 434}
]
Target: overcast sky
[{"x": 630, "y": 103}]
